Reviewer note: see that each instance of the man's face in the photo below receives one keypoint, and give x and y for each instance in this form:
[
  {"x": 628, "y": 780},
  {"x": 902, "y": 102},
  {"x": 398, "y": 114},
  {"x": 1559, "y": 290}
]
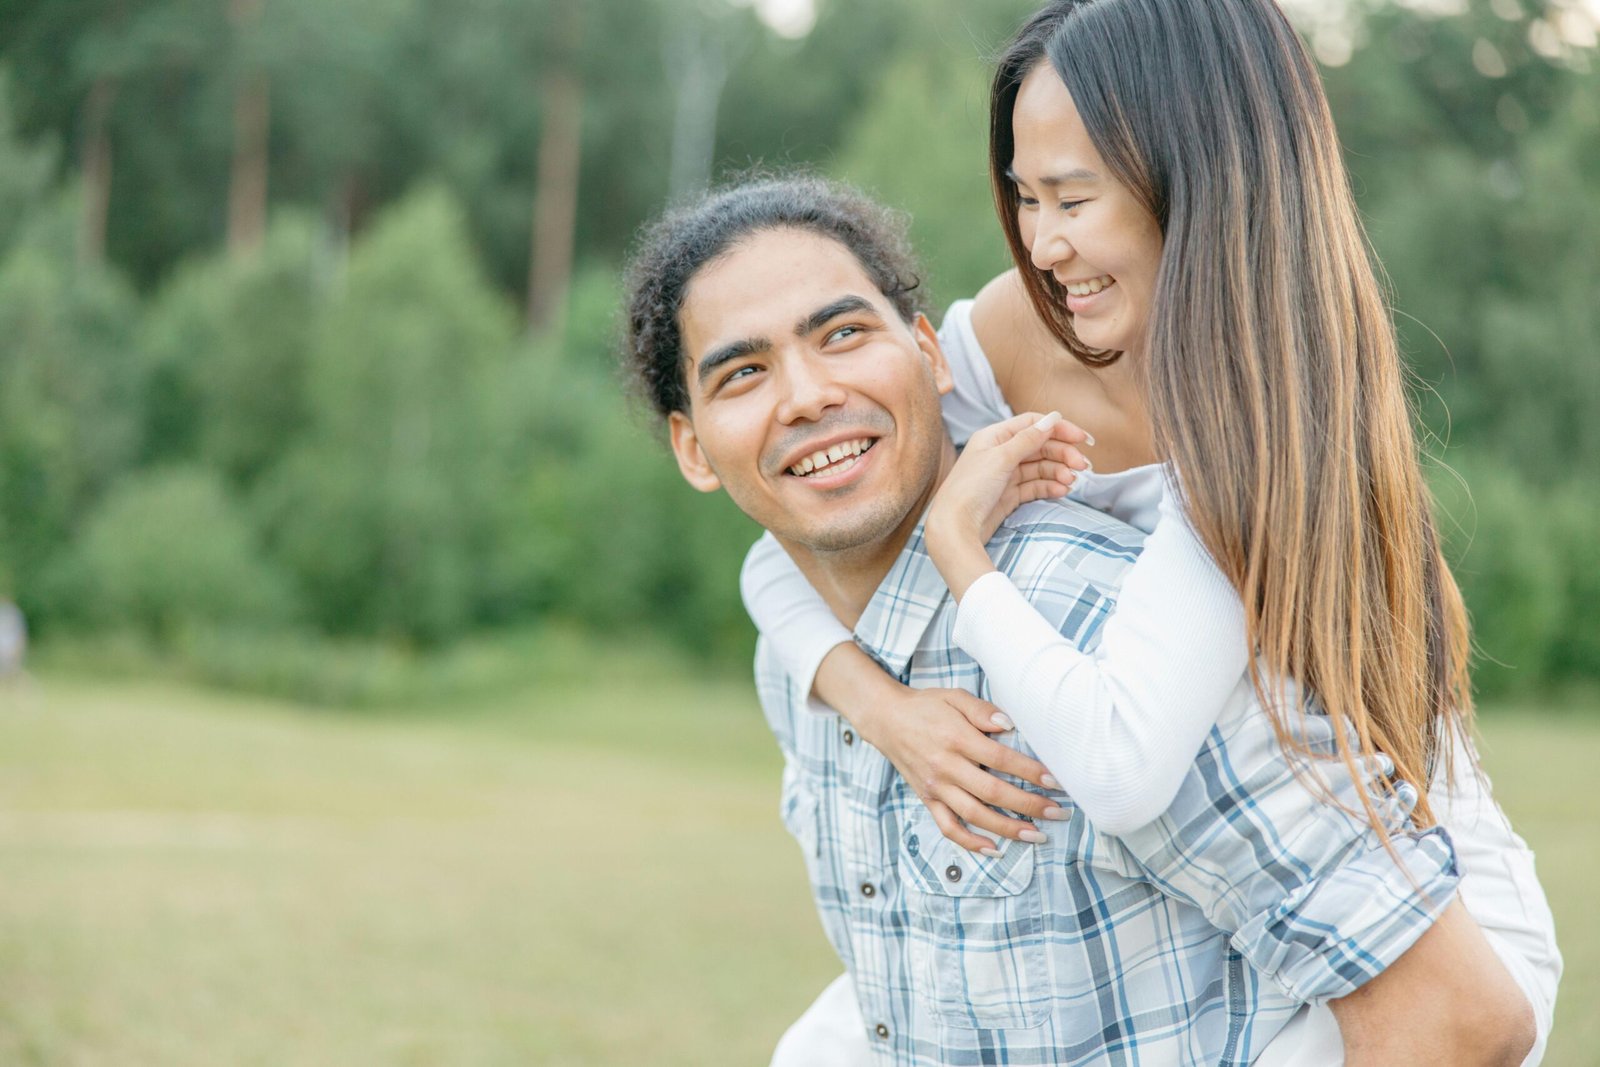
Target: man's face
[{"x": 811, "y": 401}]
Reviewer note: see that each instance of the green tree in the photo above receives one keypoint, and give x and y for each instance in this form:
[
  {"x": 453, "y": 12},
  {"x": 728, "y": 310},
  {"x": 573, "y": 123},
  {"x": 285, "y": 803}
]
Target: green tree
[
  {"x": 69, "y": 394},
  {"x": 921, "y": 144},
  {"x": 227, "y": 345},
  {"x": 168, "y": 551},
  {"x": 25, "y": 171},
  {"x": 382, "y": 510}
]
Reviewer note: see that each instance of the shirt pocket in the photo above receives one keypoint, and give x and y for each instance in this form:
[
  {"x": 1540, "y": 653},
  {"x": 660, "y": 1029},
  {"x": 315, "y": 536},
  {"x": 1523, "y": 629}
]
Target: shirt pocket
[
  {"x": 801, "y": 807},
  {"x": 976, "y": 930},
  {"x": 798, "y": 806}
]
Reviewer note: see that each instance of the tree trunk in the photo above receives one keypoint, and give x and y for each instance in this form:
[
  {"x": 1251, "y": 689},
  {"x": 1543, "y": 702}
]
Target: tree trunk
[
  {"x": 555, "y": 195},
  {"x": 95, "y": 164},
  {"x": 697, "y": 68},
  {"x": 247, "y": 185},
  {"x": 347, "y": 210}
]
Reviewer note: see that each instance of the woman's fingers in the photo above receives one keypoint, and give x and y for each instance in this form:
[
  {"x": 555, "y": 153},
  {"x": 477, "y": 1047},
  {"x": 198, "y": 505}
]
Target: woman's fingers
[
  {"x": 952, "y": 828},
  {"x": 1045, "y": 426},
  {"x": 1000, "y": 432},
  {"x": 999, "y": 794},
  {"x": 980, "y": 713},
  {"x": 962, "y": 786},
  {"x": 1070, "y": 455},
  {"x": 987, "y": 752},
  {"x": 974, "y": 813},
  {"x": 1002, "y": 760},
  {"x": 1047, "y": 471}
]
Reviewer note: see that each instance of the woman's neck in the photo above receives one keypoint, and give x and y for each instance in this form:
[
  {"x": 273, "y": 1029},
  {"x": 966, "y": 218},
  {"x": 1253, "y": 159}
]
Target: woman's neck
[{"x": 1109, "y": 402}]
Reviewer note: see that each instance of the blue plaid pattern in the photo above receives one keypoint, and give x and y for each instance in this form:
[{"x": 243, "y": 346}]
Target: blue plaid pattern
[{"x": 1190, "y": 941}]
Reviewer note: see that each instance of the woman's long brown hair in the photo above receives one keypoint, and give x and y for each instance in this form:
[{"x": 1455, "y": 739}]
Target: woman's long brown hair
[{"x": 1274, "y": 379}]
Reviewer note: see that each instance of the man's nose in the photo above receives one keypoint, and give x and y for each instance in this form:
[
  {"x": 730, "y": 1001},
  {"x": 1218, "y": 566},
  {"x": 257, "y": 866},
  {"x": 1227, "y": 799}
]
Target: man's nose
[{"x": 809, "y": 389}]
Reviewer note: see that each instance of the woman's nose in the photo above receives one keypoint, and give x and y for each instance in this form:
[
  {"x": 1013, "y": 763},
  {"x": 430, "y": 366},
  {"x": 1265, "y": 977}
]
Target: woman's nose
[{"x": 1050, "y": 244}]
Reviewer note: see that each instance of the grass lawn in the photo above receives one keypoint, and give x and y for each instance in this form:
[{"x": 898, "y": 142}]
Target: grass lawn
[{"x": 585, "y": 875}]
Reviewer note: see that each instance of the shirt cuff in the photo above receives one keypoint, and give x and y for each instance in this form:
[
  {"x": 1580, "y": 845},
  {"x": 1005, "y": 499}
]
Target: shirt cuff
[{"x": 1334, "y": 934}]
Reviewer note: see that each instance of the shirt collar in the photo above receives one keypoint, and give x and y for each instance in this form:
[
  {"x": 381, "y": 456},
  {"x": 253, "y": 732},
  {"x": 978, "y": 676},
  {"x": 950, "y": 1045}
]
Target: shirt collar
[{"x": 907, "y": 600}]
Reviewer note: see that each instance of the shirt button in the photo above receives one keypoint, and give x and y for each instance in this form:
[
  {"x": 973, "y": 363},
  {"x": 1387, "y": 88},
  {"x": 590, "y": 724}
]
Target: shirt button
[
  {"x": 849, "y": 737},
  {"x": 953, "y": 872},
  {"x": 881, "y": 1030},
  {"x": 913, "y": 845},
  {"x": 868, "y": 889}
]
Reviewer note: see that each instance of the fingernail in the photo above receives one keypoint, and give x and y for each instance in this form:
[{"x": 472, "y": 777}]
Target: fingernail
[
  {"x": 1049, "y": 781},
  {"x": 1048, "y": 421},
  {"x": 1058, "y": 814},
  {"x": 1002, "y": 720},
  {"x": 1088, "y": 438},
  {"x": 1033, "y": 837},
  {"x": 992, "y": 853}
]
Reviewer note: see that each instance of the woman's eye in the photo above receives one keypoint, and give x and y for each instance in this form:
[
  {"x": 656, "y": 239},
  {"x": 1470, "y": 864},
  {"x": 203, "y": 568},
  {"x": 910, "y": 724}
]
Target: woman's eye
[
  {"x": 1027, "y": 201},
  {"x": 1068, "y": 205}
]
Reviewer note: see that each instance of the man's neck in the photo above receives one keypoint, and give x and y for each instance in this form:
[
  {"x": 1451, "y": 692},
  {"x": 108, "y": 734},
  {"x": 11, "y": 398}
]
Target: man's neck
[{"x": 848, "y": 578}]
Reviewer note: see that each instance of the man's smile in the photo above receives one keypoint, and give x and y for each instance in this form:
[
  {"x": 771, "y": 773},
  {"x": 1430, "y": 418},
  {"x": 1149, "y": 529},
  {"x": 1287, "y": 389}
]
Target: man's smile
[{"x": 833, "y": 459}]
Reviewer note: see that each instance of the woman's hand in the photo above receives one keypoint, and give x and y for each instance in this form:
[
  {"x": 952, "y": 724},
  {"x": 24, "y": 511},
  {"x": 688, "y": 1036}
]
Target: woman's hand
[
  {"x": 1027, "y": 457},
  {"x": 938, "y": 739}
]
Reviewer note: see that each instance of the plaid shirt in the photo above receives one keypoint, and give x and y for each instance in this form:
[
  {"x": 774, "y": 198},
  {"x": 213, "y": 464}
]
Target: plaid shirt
[{"x": 1190, "y": 941}]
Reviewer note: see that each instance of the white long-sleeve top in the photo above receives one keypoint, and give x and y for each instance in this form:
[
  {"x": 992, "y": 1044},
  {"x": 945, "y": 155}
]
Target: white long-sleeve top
[{"x": 1120, "y": 728}]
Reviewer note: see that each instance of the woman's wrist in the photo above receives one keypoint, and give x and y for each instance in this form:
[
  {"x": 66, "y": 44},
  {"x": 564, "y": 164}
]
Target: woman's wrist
[
  {"x": 851, "y": 683},
  {"x": 960, "y": 560}
]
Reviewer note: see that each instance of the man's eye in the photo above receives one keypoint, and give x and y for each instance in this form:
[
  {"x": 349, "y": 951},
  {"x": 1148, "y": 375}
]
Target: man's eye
[
  {"x": 740, "y": 373},
  {"x": 842, "y": 333}
]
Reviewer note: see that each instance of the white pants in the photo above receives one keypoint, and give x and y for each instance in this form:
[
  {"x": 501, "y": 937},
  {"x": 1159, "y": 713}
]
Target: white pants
[{"x": 832, "y": 1033}]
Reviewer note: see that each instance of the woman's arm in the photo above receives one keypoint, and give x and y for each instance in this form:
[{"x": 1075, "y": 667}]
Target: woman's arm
[
  {"x": 1121, "y": 727},
  {"x": 1447, "y": 999},
  {"x": 936, "y": 738},
  {"x": 789, "y": 613},
  {"x": 1499, "y": 884}
]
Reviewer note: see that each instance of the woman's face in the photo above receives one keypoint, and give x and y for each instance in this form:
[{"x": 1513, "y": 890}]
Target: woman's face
[{"x": 1078, "y": 222}]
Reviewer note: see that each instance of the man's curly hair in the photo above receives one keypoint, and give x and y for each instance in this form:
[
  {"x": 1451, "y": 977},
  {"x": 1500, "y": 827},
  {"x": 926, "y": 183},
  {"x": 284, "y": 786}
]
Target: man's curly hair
[{"x": 673, "y": 249}]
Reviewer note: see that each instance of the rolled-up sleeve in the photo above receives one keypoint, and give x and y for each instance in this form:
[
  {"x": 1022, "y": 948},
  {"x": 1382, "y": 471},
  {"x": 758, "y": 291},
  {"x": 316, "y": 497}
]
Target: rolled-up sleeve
[{"x": 1288, "y": 864}]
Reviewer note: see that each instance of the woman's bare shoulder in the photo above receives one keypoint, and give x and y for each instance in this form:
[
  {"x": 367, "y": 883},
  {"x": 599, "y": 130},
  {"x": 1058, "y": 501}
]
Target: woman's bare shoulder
[
  {"x": 1006, "y": 325},
  {"x": 1001, "y": 309}
]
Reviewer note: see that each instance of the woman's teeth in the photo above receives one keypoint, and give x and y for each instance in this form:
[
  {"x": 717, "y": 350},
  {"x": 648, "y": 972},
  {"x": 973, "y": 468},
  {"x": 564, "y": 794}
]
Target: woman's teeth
[
  {"x": 839, "y": 457},
  {"x": 1090, "y": 287}
]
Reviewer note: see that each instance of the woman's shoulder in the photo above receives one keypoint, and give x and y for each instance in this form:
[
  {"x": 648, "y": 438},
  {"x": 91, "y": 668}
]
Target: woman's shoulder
[{"x": 1004, "y": 320}]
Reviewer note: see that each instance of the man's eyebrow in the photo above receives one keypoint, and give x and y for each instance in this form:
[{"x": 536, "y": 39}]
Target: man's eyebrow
[
  {"x": 1050, "y": 181},
  {"x": 728, "y": 352},
  {"x": 825, "y": 314}
]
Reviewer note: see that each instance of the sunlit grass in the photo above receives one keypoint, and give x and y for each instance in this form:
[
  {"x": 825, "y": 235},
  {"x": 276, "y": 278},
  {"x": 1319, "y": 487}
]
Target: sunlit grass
[{"x": 587, "y": 874}]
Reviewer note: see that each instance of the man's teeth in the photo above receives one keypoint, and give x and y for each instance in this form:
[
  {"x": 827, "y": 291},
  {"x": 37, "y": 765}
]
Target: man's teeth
[
  {"x": 1090, "y": 287},
  {"x": 842, "y": 455}
]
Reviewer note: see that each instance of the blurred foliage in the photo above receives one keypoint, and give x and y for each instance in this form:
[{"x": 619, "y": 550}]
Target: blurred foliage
[
  {"x": 168, "y": 551},
  {"x": 309, "y": 468}
]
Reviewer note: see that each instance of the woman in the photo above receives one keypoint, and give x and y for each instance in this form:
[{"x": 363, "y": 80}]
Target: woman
[{"x": 1193, "y": 287}]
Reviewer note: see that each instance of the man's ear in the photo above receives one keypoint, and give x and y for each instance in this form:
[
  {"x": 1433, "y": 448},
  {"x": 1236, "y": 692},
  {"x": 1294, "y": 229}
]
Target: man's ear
[
  {"x": 691, "y": 459},
  {"x": 928, "y": 341}
]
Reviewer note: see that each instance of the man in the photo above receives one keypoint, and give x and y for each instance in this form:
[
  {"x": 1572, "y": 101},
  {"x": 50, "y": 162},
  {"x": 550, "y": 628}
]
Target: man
[{"x": 777, "y": 320}]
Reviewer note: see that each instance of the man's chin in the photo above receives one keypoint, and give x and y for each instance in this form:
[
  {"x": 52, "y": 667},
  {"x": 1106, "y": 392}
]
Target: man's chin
[{"x": 844, "y": 533}]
